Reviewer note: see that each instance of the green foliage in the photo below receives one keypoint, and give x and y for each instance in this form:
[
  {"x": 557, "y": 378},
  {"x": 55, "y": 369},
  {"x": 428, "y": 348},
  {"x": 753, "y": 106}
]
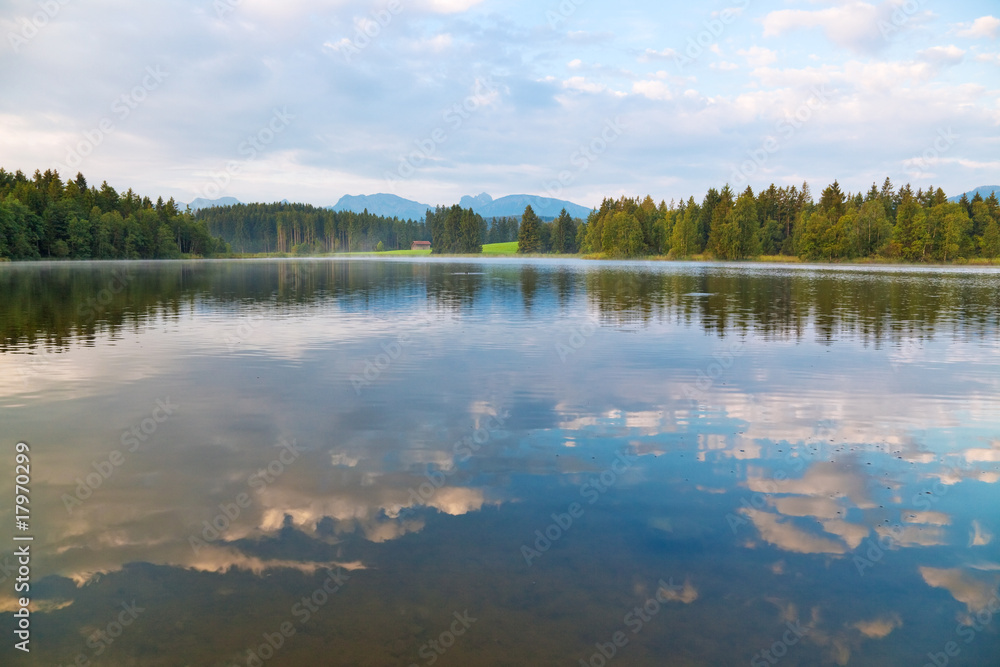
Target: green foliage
[
  {"x": 564, "y": 234},
  {"x": 874, "y": 227},
  {"x": 770, "y": 237},
  {"x": 581, "y": 238},
  {"x": 735, "y": 227},
  {"x": 684, "y": 238},
  {"x": 502, "y": 230},
  {"x": 623, "y": 236},
  {"x": 722, "y": 231},
  {"x": 46, "y": 218},
  {"x": 989, "y": 242},
  {"x": 529, "y": 236},
  {"x": 280, "y": 227},
  {"x": 832, "y": 201},
  {"x": 456, "y": 231},
  {"x": 910, "y": 233},
  {"x": 814, "y": 240},
  {"x": 81, "y": 240}
]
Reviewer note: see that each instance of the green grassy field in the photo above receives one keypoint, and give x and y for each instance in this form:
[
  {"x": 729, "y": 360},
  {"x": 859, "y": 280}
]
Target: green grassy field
[
  {"x": 500, "y": 248},
  {"x": 489, "y": 250}
]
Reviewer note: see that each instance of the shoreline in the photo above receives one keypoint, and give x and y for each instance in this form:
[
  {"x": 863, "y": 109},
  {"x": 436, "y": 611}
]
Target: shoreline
[{"x": 764, "y": 260}]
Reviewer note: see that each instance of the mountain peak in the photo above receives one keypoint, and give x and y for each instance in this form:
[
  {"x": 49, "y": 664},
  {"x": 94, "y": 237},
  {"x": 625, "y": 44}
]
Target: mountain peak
[
  {"x": 983, "y": 191},
  {"x": 480, "y": 200},
  {"x": 383, "y": 204},
  {"x": 201, "y": 203},
  {"x": 514, "y": 205},
  {"x": 483, "y": 204}
]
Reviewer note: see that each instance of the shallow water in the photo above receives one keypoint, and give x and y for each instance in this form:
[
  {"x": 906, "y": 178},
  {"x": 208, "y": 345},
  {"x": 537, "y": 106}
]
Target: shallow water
[{"x": 504, "y": 463}]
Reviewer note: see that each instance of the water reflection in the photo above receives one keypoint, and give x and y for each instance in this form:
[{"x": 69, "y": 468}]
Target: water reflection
[
  {"x": 806, "y": 447},
  {"x": 57, "y": 303}
]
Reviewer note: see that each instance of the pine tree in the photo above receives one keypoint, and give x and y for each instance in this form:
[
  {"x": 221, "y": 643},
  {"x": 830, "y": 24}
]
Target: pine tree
[
  {"x": 529, "y": 236},
  {"x": 832, "y": 201},
  {"x": 563, "y": 234},
  {"x": 470, "y": 234}
]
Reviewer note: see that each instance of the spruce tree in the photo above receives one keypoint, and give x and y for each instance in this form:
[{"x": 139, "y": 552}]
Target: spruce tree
[
  {"x": 529, "y": 236},
  {"x": 563, "y": 234}
]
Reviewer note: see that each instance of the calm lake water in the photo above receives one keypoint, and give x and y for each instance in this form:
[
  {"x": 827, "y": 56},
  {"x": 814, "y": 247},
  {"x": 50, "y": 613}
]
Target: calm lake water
[{"x": 503, "y": 463}]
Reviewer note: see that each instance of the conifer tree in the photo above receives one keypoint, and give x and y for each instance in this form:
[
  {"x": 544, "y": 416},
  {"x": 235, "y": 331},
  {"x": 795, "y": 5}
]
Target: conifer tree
[{"x": 529, "y": 235}]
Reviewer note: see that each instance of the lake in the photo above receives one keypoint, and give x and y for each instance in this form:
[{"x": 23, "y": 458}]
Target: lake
[{"x": 503, "y": 462}]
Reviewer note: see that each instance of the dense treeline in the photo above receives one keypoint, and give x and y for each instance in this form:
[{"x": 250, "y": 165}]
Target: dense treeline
[
  {"x": 43, "y": 217},
  {"x": 303, "y": 229},
  {"x": 502, "y": 230},
  {"x": 558, "y": 236},
  {"x": 919, "y": 226},
  {"x": 456, "y": 230}
]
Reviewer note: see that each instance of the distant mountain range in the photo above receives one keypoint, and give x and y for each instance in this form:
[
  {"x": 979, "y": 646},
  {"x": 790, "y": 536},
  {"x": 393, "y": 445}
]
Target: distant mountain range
[
  {"x": 383, "y": 204},
  {"x": 984, "y": 191},
  {"x": 483, "y": 204},
  {"x": 201, "y": 202},
  {"x": 544, "y": 207},
  {"x": 394, "y": 206}
]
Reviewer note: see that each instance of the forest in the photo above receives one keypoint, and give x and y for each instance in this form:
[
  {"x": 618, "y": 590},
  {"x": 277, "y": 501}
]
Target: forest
[
  {"x": 901, "y": 225},
  {"x": 45, "y": 218},
  {"x": 303, "y": 229}
]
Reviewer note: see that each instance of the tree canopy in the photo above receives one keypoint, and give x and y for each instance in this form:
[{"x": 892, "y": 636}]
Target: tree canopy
[{"x": 44, "y": 217}]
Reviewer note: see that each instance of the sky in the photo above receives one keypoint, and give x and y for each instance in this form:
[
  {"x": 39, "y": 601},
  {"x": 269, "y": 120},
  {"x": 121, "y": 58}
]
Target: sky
[{"x": 309, "y": 100}]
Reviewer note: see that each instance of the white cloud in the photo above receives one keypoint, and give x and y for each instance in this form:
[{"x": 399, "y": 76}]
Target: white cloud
[
  {"x": 757, "y": 56},
  {"x": 665, "y": 54},
  {"x": 819, "y": 507},
  {"x": 879, "y": 628},
  {"x": 350, "y": 132},
  {"x": 942, "y": 55},
  {"x": 913, "y": 536},
  {"x": 852, "y": 533},
  {"x": 687, "y": 594},
  {"x": 981, "y": 536},
  {"x": 853, "y": 25},
  {"x": 974, "y": 592},
  {"x": 654, "y": 90},
  {"x": 449, "y": 6},
  {"x": 438, "y": 43},
  {"x": 928, "y": 517},
  {"x": 784, "y": 534},
  {"x": 985, "y": 27},
  {"x": 583, "y": 85}
]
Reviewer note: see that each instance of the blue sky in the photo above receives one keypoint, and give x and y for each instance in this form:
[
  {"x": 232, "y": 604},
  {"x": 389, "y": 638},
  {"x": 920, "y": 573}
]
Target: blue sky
[{"x": 434, "y": 99}]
